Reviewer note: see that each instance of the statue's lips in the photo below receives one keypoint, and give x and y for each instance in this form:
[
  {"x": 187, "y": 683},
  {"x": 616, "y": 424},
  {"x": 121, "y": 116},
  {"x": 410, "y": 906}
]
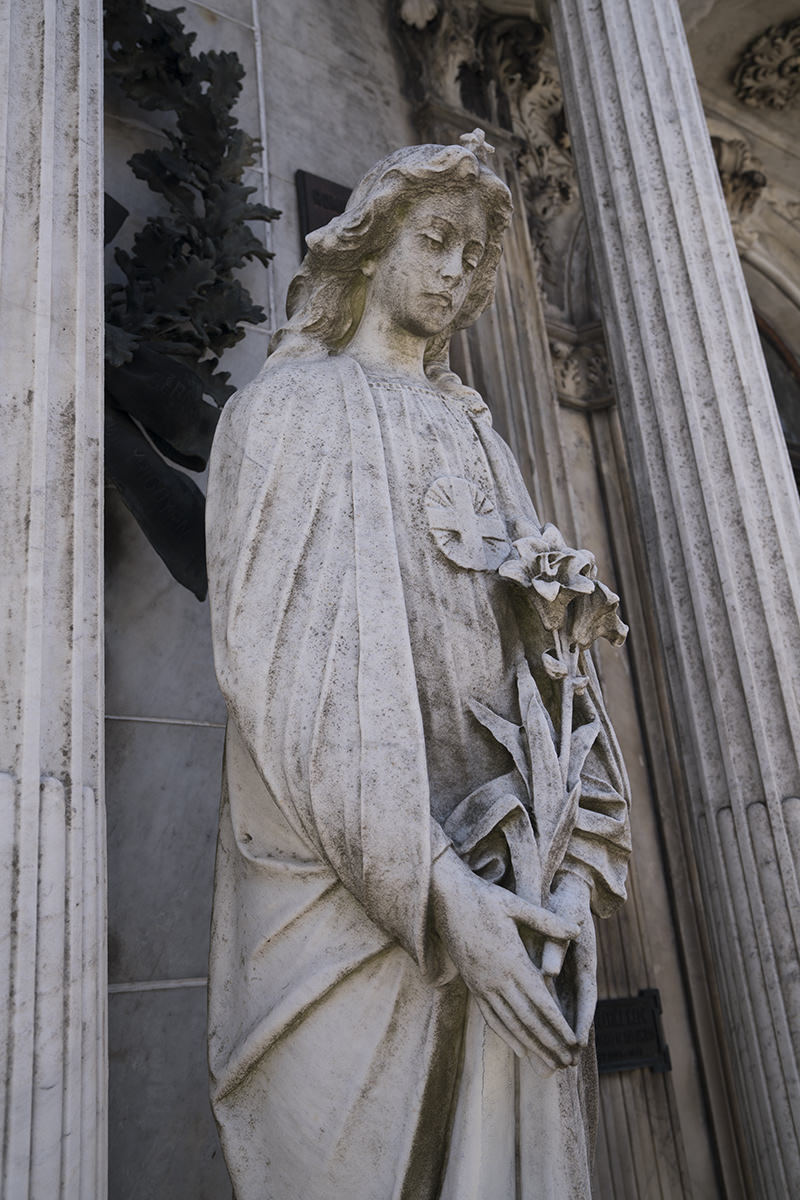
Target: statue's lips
[{"x": 445, "y": 297}]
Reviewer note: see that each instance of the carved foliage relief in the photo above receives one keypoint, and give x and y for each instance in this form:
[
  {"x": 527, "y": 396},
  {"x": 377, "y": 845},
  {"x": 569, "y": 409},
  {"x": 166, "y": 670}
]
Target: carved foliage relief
[
  {"x": 582, "y": 373},
  {"x": 466, "y": 60},
  {"x": 768, "y": 74},
  {"x": 499, "y": 69}
]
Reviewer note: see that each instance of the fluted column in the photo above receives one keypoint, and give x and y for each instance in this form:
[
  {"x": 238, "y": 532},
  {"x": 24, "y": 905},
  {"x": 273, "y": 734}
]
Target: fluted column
[
  {"x": 52, "y": 842},
  {"x": 720, "y": 513}
]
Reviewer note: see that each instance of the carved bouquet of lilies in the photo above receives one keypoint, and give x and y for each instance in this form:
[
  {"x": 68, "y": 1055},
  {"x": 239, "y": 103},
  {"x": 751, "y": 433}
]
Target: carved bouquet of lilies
[{"x": 575, "y": 609}]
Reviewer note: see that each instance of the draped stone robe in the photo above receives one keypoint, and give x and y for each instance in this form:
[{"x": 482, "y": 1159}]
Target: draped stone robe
[{"x": 354, "y": 528}]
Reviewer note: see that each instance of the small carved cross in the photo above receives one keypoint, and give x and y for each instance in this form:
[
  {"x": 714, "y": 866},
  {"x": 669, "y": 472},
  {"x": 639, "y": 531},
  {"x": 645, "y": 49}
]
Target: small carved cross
[{"x": 477, "y": 143}]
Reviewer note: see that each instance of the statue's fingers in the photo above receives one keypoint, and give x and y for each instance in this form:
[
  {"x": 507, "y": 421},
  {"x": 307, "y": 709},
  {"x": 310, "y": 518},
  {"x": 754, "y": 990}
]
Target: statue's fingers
[
  {"x": 586, "y": 970},
  {"x": 535, "y": 1038},
  {"x": 583, "y": 1023},
  {"x": 493, "y": 1021},
  {"x": 544, "y": 1018},
  {"x": 548, "y": 923},
  {"x": 585, "y": 1010},
  {"x": 530, "y": 1024},
  {"x": 586, "y": 1003}
]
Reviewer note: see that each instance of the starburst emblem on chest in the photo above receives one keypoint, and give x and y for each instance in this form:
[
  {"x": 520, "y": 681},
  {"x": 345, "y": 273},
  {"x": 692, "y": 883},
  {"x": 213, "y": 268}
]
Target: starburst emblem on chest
[{"x": 465, "y": 524}]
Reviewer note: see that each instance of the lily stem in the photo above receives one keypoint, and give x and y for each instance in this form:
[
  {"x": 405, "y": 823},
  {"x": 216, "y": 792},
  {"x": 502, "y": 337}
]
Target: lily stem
[{"x": 569, "y": 656}]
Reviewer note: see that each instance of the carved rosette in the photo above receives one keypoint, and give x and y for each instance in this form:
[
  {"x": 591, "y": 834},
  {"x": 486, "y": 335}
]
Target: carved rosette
[
  {"x": 465, "y": 524},
  {"x": 768, "y": 74}
]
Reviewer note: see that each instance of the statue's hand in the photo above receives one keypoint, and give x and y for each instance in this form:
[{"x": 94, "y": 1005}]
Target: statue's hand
[
  {"x": 571, "y": 900},
  {"x": 479, "y": 924},
  {"x": 585, "y": 951}
]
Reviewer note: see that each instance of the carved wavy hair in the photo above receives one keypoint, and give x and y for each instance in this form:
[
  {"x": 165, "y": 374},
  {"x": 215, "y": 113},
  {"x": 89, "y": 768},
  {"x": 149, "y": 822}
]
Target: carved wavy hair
[{"x": 325, "y": 300}]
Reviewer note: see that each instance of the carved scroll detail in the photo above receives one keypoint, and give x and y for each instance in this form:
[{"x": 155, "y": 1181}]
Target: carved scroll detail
[
  {"x": 743, "y": 182},
  {"x": 499, "y": 69}
]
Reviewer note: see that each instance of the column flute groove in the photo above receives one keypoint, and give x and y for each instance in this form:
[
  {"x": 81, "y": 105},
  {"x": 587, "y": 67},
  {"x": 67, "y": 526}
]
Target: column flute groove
[
  {"x": 720, "y": 517},
  {"x": 52, "y": 866}
]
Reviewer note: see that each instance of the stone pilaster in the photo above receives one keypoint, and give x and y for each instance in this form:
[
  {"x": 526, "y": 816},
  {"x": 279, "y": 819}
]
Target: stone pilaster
[
  {"x": 720, "y": 513},
  {"x": 52, "y": 840}
]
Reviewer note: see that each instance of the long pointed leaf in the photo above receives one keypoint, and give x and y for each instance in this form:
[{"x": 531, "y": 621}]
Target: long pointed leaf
[
  {"x": 560, "y": 839},
  {"x": 583, "y": 739},
  {"x": 548, "y": 785},
  {"x": 166, "y": 395},
  {"x": 168, "y": 506},
  {"x": 506, "y": 733}
]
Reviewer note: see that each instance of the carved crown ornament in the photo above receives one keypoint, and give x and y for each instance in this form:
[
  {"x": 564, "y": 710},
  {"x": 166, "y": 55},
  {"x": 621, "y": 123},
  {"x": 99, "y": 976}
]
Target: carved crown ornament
[{"x": 768, "y": 74}]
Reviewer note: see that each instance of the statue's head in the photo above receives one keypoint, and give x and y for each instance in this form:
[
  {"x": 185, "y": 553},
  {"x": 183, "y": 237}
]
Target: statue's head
[{"x": 326, "y": 298}]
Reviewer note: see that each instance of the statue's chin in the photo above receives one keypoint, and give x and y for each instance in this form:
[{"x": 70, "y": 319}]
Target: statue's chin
[{"x": 431, "y": 323}]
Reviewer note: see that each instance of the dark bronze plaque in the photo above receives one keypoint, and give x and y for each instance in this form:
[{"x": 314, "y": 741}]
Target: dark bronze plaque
[
  {"x": 628, "y": 1033},
  {"x": 318, "y": 200}
]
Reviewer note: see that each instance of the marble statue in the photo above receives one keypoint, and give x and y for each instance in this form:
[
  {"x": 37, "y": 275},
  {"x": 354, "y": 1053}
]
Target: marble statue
[{"x": 424, "y": 801}]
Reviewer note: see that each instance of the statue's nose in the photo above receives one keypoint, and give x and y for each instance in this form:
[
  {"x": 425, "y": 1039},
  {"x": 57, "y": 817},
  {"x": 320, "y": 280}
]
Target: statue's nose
[{"x": 451, "y": 267}]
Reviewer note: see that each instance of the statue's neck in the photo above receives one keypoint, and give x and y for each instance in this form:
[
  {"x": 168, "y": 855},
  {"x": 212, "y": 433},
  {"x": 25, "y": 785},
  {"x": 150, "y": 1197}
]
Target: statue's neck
[{"x": 382, "y": 348}]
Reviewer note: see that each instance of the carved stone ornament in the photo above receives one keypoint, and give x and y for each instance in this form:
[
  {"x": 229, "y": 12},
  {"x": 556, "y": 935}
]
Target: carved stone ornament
[
  {"x": 768, "y": 74},
  {"x": 465, "y": 524},
  {"x": 492, "y": 66},
  {"x": 546, "y": 164},
  {"x": 424, "y": 805},
  {"x": 582, "y": 374},
  {"x": 418, "y": 12},
  {"x": 743, "y": 182},
  {"x": 471, "y": 62},
  {"x": 786, "y": 207}
]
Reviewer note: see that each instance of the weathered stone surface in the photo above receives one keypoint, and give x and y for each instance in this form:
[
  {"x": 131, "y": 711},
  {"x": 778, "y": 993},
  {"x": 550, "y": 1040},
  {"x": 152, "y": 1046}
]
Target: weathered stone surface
[
  {"x": 160, "y": 864},
  {"x": 52, "y": 865},
  {"x": 419, "y": 766},
  {"x": 720, "y": 513},
  {"x": 556, "y": 408}
]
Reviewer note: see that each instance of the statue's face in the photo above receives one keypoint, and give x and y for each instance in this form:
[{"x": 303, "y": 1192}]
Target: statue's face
[{"x": 422, "y": 279}]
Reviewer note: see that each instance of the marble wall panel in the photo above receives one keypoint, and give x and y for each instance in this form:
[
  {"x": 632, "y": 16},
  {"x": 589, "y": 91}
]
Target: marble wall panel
[
  {"x": 215, "y": 31},
  {"x": 235, "y": 10},
  {"x": 158, "y": 641},
  {"x": 246, "y": 359},
  {"x": 333, "y": 103},
  {"x": 162, "y": 794},
  {"x": 161, "y": 1131},
  {"x": 128, "y": 130}
]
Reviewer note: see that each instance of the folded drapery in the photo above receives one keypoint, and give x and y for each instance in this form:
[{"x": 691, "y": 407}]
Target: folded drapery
[{"x": 349, "y": 650}]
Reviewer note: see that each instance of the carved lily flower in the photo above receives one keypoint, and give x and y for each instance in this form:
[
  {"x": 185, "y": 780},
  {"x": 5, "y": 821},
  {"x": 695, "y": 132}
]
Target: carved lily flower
[
  {"x": 554, "y": 572},
  {"x": 597, "y": 615}
]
